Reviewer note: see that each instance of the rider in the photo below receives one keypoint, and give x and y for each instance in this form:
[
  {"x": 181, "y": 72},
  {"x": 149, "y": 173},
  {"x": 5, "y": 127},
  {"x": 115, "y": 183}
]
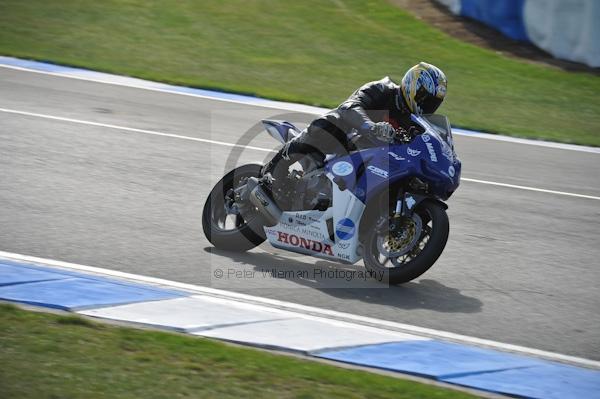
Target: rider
[{"x": 376, "y": 110}]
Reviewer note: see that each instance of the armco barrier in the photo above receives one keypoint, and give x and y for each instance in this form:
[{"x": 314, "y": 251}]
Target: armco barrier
[
  {"x": 567, "y": 29},
  {"x": 506, "y": 15}
]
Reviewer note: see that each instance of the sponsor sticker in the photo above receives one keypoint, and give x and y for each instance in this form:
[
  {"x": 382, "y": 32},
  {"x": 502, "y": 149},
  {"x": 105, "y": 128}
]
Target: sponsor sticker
[
  {"x": 396, "y": 156},
  {"x": 432, "y": 154},
  {"x": 301, "y": 242},
  {"x": 451, "y": 171},
  {"x": 343, "y": 256},
  {"x": 345, "y": 229},
  {"x": 342, "y": 168},
  {"x": 343, "y": 245},
  {"x": 310, "y": 230},
  {"x": 447, "y": 152},
  {"x": 377, "y": 171},
  {"x": 411, "y": 152},
  {"x": 425, "y": 137},
  {"x": 300, "y": 216},
  {"x": 314, "y": 219}
]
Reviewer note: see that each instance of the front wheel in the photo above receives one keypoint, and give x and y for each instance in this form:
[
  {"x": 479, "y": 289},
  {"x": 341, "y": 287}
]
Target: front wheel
[
  {"x": 414, "y": 247},
  {"x": 222, "y": 222}
]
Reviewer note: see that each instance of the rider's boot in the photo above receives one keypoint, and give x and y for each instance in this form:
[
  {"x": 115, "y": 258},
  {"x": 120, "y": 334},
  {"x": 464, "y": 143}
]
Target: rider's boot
[{"x": 274, "y": 174}]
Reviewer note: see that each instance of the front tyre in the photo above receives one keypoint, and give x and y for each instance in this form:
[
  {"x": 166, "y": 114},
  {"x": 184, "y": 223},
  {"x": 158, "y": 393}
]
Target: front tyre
[
  {"x": 404, "y": 256},
  {"x": 223, "y": 225}
]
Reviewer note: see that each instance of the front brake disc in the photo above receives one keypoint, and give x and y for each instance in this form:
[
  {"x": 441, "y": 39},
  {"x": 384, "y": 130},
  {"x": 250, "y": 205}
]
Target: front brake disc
[{"x": 398, "y": 244}]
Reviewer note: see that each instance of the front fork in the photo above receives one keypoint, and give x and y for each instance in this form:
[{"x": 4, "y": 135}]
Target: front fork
[{"x": 404, "y": 209}]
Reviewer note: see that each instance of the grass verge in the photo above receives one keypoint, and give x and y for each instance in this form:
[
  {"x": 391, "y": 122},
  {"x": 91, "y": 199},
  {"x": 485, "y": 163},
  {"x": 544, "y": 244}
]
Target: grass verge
[
  {"x": 54, "y": 356},
  {"x": 312, "y": 51}
]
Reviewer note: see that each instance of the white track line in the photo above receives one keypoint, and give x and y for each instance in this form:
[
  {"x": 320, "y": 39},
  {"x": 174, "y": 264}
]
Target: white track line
[
  {"x": 177, "y": 136},
  {"x": 541, "y": 190},
  {"x": 130, "y": 129},
  {"x": 137, "y": 83},
  {"x": 310, "y": 310},
  {"x": 517, "y": 140}
]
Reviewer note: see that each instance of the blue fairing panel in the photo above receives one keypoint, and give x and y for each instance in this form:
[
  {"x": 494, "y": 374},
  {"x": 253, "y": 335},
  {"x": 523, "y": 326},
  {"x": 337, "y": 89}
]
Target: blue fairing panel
[
  {"x": 374, "y": 169},
  {"x": 282, "y": 131}
]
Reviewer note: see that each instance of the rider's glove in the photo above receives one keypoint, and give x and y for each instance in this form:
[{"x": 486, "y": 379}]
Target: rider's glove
[{"x": 384, "y": 131}]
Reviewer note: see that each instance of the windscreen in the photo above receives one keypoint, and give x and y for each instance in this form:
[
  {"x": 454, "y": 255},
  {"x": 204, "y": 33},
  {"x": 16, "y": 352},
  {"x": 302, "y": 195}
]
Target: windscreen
[{"x": 441, "y": 124}]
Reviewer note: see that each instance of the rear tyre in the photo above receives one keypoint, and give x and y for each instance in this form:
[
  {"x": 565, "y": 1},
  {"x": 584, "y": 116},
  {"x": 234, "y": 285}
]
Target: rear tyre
[
  {"x": 424, "y": 251},
  {"x": 229, "y": 230}
]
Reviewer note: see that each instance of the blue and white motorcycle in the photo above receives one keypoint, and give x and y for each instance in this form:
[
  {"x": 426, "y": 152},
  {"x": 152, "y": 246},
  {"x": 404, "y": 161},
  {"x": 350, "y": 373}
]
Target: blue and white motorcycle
[{"x": 382, "y": 203}]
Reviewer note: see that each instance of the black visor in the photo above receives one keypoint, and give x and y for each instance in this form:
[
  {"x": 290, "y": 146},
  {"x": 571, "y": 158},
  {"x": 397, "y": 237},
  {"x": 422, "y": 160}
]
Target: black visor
[
  {"x": 430, "y": 104},
  {"x": 427, "y": 102}
]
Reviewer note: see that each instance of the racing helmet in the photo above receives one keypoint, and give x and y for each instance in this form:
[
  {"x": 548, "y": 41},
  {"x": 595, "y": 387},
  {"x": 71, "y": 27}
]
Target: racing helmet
[{"x": 423, "y": 88}]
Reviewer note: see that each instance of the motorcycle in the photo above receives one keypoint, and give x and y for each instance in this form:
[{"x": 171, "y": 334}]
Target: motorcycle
[{"x": 383, "y": 203}]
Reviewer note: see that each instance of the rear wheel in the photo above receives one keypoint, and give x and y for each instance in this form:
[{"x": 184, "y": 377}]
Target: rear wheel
[
  {"x": 414, "y": 247},
  {"x": 222, "y": 222}
]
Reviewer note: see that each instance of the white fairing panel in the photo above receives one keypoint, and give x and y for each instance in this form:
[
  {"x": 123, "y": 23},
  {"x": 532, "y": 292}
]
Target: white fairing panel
[{"x": 306, "y": 232}]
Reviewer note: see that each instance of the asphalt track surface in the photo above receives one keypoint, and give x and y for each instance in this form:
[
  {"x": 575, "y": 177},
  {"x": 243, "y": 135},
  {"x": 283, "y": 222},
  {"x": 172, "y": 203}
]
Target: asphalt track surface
[{"x": 520, "y": 267}]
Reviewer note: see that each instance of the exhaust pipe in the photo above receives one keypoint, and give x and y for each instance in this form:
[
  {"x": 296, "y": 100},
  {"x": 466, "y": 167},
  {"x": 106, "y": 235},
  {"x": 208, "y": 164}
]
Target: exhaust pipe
[{"x": 261, "y": 200}]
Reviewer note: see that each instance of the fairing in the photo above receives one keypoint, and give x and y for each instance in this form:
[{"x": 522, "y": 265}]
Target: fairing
[
  {"x": 429, "y": 156},
  {"x": 360, "y": 176}
]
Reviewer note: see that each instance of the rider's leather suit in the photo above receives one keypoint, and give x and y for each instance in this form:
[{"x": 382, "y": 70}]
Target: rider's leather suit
[{"x": 352, "y": 121}]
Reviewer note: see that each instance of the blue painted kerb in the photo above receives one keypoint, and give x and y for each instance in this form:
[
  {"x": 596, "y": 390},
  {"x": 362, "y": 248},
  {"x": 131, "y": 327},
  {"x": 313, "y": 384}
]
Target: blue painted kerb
[
  {"x": 474, "y": 367},
  {"x": 36, "y": 285}
]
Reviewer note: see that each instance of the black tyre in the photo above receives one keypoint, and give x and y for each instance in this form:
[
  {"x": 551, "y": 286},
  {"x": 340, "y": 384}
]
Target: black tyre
[
  {"x": 230, "y": 231},
  {"x": 432, "y": 221}
]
